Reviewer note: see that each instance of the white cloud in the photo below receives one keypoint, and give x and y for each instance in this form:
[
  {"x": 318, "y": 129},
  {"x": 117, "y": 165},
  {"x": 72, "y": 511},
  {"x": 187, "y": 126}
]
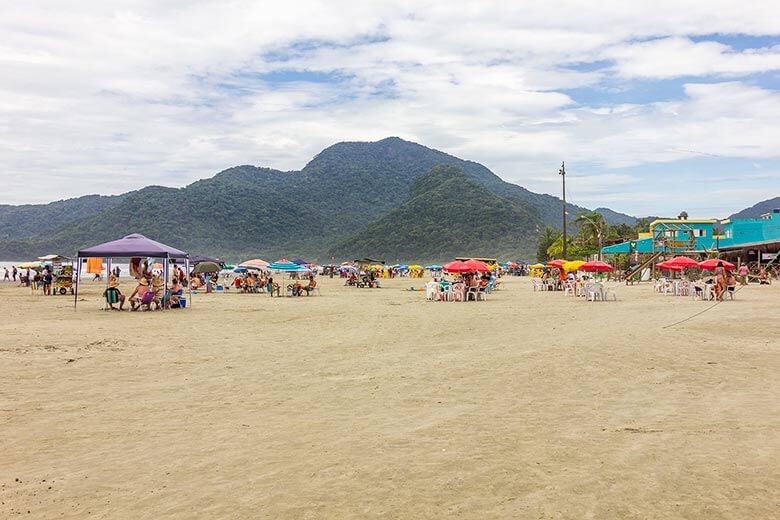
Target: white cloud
[{"x": 99, "y": 97}]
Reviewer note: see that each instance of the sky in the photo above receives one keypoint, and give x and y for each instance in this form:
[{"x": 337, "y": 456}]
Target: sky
[{"x": 656, "y": 107}]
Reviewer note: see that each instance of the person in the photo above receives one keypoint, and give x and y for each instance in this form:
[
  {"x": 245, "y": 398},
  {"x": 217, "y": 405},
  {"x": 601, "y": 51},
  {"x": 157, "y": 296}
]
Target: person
[
  {"x": 27, "y": 279},
  {"x": 237, "y": 283},
  {"x": 310, "y": 287},
  {"x": 763, "y": 276},
  {"x": 137, "y": 297},
  {"x": 112, "y": 293},
  {"x": 7, "y": 275},
  {"x": 47, "y": 279},
  {"x": 159, "y": 290},
  {"x": 731, "y": 283},
  {"x": 720, "y": 285},
  {"x": 296, "y": 288},
  {"x": 719, "y": 269},
  {"x": 743, "y": 274},
  {"x": 14, "y": 272},
  {"x": 272, "y": 287},
  {"x": 172, "y": 295}
]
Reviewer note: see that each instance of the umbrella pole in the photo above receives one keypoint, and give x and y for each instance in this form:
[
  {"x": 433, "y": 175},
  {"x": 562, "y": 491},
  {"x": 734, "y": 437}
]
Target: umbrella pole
[{"x": 108, "y": 272}]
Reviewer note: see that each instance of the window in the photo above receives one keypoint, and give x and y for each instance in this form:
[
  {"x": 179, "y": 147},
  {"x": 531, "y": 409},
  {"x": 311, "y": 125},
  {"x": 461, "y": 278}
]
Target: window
[
  {"x": 729, "y": 233},
  {"x": 700, "y": 232}
]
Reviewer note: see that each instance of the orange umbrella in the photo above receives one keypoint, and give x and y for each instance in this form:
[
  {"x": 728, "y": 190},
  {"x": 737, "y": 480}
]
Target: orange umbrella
[{"x": 556, "y": 263}]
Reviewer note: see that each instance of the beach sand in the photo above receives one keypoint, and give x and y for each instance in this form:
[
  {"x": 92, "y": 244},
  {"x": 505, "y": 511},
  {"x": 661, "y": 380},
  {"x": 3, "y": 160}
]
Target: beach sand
[{"x": 363, "y": 403}]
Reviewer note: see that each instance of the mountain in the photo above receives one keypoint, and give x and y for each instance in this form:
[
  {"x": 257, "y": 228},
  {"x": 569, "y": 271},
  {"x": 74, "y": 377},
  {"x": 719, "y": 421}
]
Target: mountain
[
  {"x": 31, "y": 219},
  {"x": 614, "y": 217},
  {"x": 755, "y": 211},
  {"x": 252, "y": 211},
  {"x": 447, "y": 214}
]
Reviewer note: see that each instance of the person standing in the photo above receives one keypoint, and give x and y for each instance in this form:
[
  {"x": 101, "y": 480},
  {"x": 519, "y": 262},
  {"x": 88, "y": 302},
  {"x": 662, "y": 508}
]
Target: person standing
[
  {"x": 14, "y": 272},
  {"x": 47, "y": 281},
  {"x": 6, "y": 277},
  {"x": 743, "y": 274}
]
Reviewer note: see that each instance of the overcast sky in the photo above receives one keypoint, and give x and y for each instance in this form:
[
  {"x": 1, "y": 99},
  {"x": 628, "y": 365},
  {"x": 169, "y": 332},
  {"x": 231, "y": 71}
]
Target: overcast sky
[{"x": 656, "y": 107}]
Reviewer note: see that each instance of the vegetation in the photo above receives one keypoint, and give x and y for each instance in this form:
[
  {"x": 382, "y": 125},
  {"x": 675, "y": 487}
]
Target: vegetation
[
  {"x": 447, "y": 214},
  {"x": 250, "y": 211}
]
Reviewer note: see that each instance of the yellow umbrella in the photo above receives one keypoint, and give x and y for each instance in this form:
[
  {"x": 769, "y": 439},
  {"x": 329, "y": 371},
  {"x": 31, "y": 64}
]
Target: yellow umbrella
[
  {"x": 537, "y": 266},
  {"x": 415, "y": 266},
  {"x": 30, "y": 265},
  {"x": 573, "y": 265}
]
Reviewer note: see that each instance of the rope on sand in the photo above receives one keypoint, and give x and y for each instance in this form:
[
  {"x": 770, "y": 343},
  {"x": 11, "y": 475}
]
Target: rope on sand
[{"x": 701, "y": 312}]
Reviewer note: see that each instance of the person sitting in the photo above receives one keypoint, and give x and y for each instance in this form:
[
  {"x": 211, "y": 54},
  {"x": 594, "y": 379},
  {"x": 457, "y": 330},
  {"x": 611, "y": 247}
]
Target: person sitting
[
  {"x": 310, "y": 286},
  {"x": 113, "y": 294},
  {"x": 158, "y": 286},
  {"x": 763, "y": 276},
  {"x": 731, "y": 283},
  {"x": 296, "y": 288},
  {"x": 140, "y": 296},
  {"x": 352, "y": 280},
  {"x": 173, "y": 295}
]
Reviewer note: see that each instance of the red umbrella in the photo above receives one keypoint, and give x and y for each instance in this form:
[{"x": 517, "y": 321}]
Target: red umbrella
[
  {"x": 596, "y": 266},
  {"x": 556, "y": 263},
  {"x": 476, "y": 265},
  {"x": 682, "y": 261},
  {"x": 666, "y": 266},
  {"x": 712, "y": 264},
  {"x": 454, "y": 267}
]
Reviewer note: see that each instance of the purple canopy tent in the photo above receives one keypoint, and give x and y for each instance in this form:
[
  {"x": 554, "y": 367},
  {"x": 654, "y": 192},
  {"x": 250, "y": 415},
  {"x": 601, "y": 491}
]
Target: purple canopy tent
[{"x": 128, "y": 247}]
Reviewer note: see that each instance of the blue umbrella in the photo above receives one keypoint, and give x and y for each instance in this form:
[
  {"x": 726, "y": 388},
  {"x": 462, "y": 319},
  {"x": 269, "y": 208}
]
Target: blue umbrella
[
  {"x": 300, "y": 261},
  {"x": 433, "y": 267},
  {"x": 283, "y": 266},
  {"x": 239, "y": 270}
]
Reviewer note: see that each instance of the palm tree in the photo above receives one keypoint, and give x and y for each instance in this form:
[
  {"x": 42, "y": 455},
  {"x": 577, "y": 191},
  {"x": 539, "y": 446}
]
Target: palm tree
[{"x": 593, "y": 227}]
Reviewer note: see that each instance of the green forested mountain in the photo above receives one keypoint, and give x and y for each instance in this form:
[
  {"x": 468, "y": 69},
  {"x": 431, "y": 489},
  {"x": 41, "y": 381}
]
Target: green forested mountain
[
  {"x": 251, "y": 211},
  {"x": 31, "y": 219},
  {"x": 447, "y": 214}
]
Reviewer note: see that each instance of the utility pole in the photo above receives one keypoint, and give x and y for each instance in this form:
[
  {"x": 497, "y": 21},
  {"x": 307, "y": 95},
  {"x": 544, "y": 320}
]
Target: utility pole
[{"x": 562, "y": 173}]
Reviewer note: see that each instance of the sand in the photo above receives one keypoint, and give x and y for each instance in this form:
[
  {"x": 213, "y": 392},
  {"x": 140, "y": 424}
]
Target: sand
[{"x": 363, "y": 403}]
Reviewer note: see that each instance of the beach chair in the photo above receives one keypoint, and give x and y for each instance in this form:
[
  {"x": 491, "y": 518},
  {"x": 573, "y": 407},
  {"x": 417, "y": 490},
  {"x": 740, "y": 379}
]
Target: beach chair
[
  {"x": 538, "y": 284},
  {"x": 609, "y": 291},
  {"x": 112, "y": 297},
  {"x": 592, "y": 292},
  {"x": 731, "y": 290}
]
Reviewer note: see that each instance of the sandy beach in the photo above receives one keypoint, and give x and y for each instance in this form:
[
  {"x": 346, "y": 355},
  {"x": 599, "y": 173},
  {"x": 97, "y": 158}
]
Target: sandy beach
[{"x": 363, "y": 403}]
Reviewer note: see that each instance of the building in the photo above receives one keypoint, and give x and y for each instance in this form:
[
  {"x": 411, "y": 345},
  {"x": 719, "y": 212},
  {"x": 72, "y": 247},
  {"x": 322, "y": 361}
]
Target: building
[{"x": 749, "y": 240}]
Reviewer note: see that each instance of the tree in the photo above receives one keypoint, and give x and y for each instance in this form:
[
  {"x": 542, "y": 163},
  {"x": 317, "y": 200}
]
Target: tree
[
  {"x": 546, "y": 239},
  {"x": 593, "y": 229}
]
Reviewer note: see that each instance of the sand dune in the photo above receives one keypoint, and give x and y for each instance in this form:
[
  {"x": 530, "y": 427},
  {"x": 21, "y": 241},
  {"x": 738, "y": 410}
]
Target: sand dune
[{"x": 377, "y": 404}]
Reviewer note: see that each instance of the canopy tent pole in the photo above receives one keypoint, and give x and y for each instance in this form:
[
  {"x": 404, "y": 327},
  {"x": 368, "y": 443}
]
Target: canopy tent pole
[
  {"x": 165, "y": 280},
  {"x": 108, "y": 274},
  {"x": 78, "y": 276},
  {"x": 189, "y": 281}
]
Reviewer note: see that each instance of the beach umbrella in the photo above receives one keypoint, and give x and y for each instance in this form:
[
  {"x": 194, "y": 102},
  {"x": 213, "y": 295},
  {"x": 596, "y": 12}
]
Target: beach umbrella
[
  {"x": 415, "y": 266},
  {"x": 574, "y": 265},
  {"x": 300, "y": 261},
  {"x": 201, "y": 258},
  {"x": 206, "y": 267},
  {"x": 537, "y": 266},
  {"x": 596, "y": 266},
  {"x": 255, "y": 263},
  {"x": 682, "y": 261},
  {"x": 454, "y": 267},
  {"x": 348, "y": 268},
  {"x": 283, "y": 266},
  {"x": 667, "y": 267},
  {"x": 433, "y": 267},
  {"x": 33, "y": 265},
  {"x": 239, "y": 270},
  {"x": 712, "y": 264},
  {"x": 476, "y": 266},
  {"x": 556, "y": 263}
]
